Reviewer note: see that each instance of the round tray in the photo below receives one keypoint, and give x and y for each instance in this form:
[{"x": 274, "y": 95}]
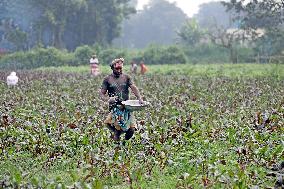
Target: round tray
[{"x": 134, "y": 105}]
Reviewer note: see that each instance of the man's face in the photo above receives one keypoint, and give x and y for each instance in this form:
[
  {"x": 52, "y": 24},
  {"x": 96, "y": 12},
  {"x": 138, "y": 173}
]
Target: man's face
[{"x": 117, "y": 68}]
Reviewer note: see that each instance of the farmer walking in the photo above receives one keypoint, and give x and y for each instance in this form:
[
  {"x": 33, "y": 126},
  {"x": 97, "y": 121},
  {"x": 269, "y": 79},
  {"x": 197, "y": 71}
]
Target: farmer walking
[
  {"x": 117, "y": 84},
  {"x": 94, "y": 62},
  {"x": 133, "y": 68},
  {"x": 12, "y": 79},
  {"x": 143, "y": 67}
]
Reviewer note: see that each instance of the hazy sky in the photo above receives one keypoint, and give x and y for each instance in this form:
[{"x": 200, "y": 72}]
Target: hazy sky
[{"x": 190, "y": 7}]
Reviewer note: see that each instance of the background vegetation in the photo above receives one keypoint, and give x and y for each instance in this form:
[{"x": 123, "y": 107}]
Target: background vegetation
[{"x": 44, "y": 33}]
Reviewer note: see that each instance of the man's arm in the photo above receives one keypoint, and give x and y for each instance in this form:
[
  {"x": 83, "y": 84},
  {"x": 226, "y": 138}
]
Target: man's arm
[
  {"x": 105, "y": 98},
  {"x": 136, "y": 93},
  {"x": 103, "y": 95}
]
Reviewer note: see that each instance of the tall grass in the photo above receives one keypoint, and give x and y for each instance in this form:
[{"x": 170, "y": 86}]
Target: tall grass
[{"x": 210, "y": 70}]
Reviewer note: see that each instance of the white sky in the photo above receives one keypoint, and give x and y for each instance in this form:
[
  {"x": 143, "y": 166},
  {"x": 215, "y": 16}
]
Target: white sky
[{"x": 190, "y": 7}]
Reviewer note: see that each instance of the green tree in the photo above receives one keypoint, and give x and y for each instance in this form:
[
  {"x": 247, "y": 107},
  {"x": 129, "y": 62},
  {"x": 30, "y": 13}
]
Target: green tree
[
  {"x": 190, "y": 33},
  {"x": 267, "y": 15},
  {"x": 16, "y": 14},
  {"x": 98, "y": 23},
  {"x": 66, "y": 23},
  {"x": 18, "y": 38},
  {"x": 270, "y": 46},
  {"x": 257, "y": 13},
  {"x": 221, "y": 27},
  {"x": 54, "y": 15},
  {"x": 228, "y": 39}
]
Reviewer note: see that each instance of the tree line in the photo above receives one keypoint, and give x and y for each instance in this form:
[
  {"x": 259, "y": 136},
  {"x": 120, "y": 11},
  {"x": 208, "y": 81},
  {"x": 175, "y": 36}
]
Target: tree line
[
  {"x": 62, "y": 23},
  {"x": 255, "y": 24},
  {"x": 241, "y": 29}
]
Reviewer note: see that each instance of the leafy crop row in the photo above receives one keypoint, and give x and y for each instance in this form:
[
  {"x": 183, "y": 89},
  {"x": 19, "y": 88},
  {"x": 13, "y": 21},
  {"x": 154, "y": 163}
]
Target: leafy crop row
[{"x": 198, "y": 132}]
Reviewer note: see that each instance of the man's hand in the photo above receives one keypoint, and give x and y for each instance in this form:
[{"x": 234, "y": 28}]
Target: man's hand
[
  {"x": 141, "y": 101},
  {"x": 112, "y": 100}
]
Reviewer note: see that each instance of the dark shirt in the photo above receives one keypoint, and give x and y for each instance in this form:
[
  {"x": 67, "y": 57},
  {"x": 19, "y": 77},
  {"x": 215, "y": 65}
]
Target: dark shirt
[{"x": 117, "y": 86}]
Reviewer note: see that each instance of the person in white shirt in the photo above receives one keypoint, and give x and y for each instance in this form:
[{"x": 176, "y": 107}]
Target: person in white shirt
[
  {"x": 12, "y": 79},
  {"x": 94, "y": 62},
  {"x": 133, "y": 67}
]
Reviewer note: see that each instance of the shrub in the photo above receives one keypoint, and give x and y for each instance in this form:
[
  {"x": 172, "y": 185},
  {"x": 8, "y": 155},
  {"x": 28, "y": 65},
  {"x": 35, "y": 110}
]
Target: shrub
[
  {"x": 173, "y": 55},
  {"x": 245, "y": 55},
  {"x": 12, "y": 61},
  {"x": 164, "y": 55},
  {"x": 35, "y": 58},
  {"x": 107, "y": 55},
  {"x": 206, "y": 53},
  {"x": 83, "y": 54},
  {"x": 152, "y": 54}
]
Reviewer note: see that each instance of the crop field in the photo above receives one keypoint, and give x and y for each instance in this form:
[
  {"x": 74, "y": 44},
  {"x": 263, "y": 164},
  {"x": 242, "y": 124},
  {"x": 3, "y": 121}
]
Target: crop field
[{"x": 217, "y": 128}]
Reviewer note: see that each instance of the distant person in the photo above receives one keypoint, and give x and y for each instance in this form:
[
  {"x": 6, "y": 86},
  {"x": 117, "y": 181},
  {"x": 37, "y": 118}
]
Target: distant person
[
  {"x": 117, "y": 86},
  {"x": 133, "y": 68},
  {"x": 94, "y": 62},
  {"x": 12, "y": 79},
  {"x": 143, "y": 67}
]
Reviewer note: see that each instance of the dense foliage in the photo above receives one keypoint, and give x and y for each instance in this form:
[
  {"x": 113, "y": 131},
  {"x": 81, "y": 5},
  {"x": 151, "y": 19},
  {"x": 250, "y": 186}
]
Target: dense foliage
[
  {"x": 248, "y": 31},
  {"x": 62, "y": 23},
  {"x": 267, "y": 15},
  {"x": 216, "y": 132},
  {"x": 258, "y": 13},
  {"x": 153, "y": 54},
  {"x": 39, "y": 57},
  {"x": 190, "y": 33}
]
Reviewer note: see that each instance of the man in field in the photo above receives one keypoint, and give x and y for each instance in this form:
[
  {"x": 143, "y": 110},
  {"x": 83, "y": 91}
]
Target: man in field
[
  {"x": 133, "y": 68},
  {"x": 143, "y": 67},
  {"x": 94, "y": 62},
  {"x": 12, "y": 79},
  {"x": 117, "y": 85}
]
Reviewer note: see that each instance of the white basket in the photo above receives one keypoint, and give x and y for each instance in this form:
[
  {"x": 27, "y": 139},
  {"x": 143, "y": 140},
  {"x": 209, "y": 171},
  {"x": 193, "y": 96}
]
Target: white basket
[{"x": 134, "y": 105}]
